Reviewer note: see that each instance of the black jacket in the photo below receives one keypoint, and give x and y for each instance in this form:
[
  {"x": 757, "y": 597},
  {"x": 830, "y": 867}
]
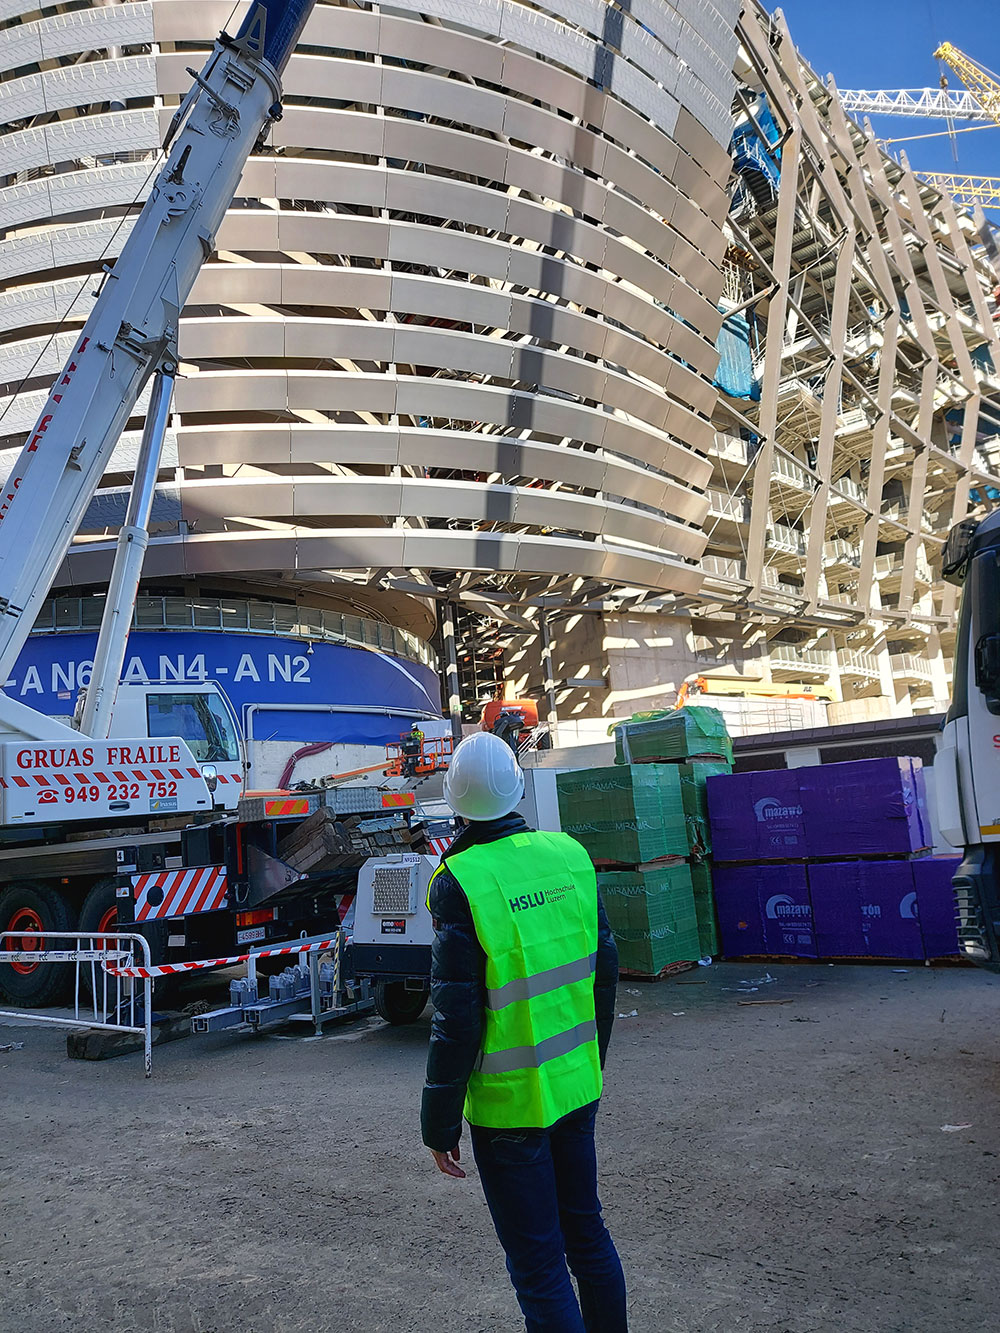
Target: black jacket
[{"x": 458, "y": 990}]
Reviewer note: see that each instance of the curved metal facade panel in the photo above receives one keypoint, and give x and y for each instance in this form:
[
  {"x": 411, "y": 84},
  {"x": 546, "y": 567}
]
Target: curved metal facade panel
[{"x": 463, "y": 315}]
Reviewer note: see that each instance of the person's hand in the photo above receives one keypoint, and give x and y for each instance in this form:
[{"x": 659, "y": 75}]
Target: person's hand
[{"x": 447, "y": 1162}]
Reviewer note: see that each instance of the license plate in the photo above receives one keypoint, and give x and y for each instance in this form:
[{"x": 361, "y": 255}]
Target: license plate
[{"x": 253, "y": 936}]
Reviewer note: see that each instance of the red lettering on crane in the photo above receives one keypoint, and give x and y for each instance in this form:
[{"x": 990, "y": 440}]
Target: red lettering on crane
[{"x": 43, "y": 426}]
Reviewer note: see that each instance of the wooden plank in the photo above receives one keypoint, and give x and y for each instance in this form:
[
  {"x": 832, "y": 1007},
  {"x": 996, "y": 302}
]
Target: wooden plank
[{"x": 100, "y": 1044}]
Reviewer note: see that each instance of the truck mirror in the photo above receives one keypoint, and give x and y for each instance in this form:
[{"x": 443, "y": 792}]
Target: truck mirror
[{"x": 955, "y": 555}]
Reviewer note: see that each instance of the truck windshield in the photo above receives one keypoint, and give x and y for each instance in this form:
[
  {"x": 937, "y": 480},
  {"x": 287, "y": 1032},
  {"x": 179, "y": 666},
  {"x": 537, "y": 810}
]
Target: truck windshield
[{"x": 199, "y": 719}]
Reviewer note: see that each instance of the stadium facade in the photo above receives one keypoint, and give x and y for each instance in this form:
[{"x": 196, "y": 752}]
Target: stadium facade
[
  {"x": 456, "y": 362},
  {"x": 458, "y": 337}
]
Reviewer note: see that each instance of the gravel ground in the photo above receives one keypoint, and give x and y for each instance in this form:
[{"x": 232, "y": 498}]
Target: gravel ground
[{"x": 766, "y": 1169}]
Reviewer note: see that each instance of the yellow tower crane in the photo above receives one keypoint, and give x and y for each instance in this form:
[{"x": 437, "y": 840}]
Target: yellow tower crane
[
  {"x": 985, "y": 87},
  {"x": 980, "y": 102}
]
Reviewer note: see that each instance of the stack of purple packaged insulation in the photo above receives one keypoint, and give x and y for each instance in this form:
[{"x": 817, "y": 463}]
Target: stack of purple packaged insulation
[{"x": 830, "y": 862}]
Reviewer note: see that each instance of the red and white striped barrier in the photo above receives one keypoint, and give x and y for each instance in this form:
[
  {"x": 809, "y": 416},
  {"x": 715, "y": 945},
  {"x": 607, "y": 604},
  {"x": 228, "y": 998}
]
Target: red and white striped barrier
[
  {"x": 179, "y": 892},
  {"x": 439, "y": 845},
  {"x": 203, "y": 964}
]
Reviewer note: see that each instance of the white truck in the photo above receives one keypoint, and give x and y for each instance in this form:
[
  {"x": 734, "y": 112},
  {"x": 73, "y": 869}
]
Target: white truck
[
  {"x": 143, "y": 780},
  {"x": 967, "y": 767}
]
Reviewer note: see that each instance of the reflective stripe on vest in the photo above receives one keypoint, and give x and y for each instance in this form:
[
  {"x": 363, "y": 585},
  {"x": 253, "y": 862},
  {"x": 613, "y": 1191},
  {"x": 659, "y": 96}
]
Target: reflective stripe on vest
[
  {"x": 533, "y": 898},
  {"x": 526, "y": 988},
  {"x": 533, "y": 1057}
]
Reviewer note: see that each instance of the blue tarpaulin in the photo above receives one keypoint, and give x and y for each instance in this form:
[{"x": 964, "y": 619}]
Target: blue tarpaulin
[
  {"x": 756, "y": 159},
  {"x": 735, "y": 375}
]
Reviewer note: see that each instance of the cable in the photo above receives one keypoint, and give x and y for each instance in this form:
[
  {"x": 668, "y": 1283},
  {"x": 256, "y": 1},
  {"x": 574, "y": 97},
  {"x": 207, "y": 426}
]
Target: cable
[{"x": 940, "y": 134}]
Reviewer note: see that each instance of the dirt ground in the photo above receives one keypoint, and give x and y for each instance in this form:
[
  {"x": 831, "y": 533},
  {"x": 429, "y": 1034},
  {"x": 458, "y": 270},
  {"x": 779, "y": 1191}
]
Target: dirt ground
[{"x": 766, "y": 1169}]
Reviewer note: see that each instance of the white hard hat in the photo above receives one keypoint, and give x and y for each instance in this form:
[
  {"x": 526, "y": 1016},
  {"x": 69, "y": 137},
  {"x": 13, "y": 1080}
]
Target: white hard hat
[{"x": 484, "y": 780}]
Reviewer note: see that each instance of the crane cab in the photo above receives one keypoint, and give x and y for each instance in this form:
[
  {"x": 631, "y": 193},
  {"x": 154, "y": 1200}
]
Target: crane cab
[{"x": 201, "y": 715}]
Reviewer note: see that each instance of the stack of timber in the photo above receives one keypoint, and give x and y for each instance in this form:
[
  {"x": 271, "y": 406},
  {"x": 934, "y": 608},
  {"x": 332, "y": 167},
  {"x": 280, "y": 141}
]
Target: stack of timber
[{"x": 323, "y": 842}]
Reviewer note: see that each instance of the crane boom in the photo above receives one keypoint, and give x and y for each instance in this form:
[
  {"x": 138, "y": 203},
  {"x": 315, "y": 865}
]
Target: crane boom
[
  {"x": 132, "y": 330},
  {"x": 924, "y": 102},
  {"x": 966, "y": 189},
  {"x": 983, "y": 85},
  {"x": 980, "y": 100}
]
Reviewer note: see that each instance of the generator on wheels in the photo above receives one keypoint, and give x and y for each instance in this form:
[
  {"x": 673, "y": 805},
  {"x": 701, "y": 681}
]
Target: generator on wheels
[{"x": 392, "y": 934}]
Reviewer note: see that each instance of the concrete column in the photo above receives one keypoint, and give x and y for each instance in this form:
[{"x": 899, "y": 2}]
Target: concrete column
[
  {"x": 452, "y": 694},
  {"x": 548, "y": 678},
  {"x": 834, "y": 679},
  {"x": 939, "y": 675}
]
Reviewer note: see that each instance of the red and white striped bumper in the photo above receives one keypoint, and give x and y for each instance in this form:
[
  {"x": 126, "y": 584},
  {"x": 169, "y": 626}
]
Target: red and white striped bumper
[{"x": 173, "y": 893}]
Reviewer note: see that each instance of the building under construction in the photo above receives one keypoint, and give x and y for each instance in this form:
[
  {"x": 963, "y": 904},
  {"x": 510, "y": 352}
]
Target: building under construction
[{"x": 602, "y": 338}]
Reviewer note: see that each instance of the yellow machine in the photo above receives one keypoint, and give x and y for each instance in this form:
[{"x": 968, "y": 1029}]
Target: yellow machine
[{"x": 740, "y": 687}]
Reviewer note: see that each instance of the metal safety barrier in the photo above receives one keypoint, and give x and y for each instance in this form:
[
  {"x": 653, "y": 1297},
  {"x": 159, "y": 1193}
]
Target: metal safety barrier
[{"x": 111, "y": 1005}]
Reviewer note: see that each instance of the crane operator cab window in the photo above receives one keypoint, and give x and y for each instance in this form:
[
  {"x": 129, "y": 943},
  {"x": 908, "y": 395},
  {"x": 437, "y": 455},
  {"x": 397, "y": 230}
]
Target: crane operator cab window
[{"x": 199, "y": 719}]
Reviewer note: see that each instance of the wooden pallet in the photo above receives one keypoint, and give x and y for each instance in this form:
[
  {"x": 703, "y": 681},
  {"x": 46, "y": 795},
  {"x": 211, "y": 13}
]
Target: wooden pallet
[
  {"x": 683, "y": 759},
  {"x": 671, "y": 970},
  {"x": 856, "y": 960},
  {"x": 661, "y": 863}
]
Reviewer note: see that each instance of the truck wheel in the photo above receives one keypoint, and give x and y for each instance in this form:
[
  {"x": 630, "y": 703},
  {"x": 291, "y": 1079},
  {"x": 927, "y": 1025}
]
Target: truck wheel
[
  {"x": 397, "y": 1005},
  {"x": 99, "y": 913},
  {"x": 28, "y": 906}
]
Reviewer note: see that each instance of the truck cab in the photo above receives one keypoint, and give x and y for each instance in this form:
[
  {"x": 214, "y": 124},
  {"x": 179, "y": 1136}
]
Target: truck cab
[
  {"x": 202, "y": 716},
  {"x": 967, "y": 767}
]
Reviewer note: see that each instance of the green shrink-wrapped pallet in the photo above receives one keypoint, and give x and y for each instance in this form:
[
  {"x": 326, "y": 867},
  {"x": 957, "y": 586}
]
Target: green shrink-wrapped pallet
[
  {"x": 681, "y": 733},
  {"x": 695, "y": 802},
  {"x": 629, "y": 814},
  {"x": 704, "y": 906},
  {"x": 653, "y": 917}
]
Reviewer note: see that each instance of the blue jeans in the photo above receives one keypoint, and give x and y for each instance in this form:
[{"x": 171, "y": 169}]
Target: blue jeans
[{"x": 541, "y": 1189}]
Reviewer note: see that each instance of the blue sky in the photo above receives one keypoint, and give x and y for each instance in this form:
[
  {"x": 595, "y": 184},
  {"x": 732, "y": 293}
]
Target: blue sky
[{"x": 889, "y": 44}]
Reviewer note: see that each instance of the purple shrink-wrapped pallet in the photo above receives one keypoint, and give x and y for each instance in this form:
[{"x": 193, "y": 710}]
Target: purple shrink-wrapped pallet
[
  {"x": 923, "y": 810},
  {"x": 865, "y": 909},
  {"x": 868, "y": 807},
  {"x": 764, "y": 910},
  {"x": 936, "y": 904},
  {"x": 756, "y": 816}
]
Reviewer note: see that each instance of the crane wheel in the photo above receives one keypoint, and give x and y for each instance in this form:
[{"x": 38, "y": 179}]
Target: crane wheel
[
  {"x": 99, "y": 913},
  {"x": 28, "y": 906},
  {"x": 397, "y": 1005}
]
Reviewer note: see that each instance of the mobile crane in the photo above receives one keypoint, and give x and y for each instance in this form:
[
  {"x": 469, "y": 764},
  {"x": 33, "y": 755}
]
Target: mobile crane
[
  {"x": 124, "y": 788},
  {"x": 967, "y": 766}
]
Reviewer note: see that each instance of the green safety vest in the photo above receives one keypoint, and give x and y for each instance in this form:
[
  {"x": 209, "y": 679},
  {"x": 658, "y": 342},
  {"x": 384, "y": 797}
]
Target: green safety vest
[{"x": 534, "y": 906}]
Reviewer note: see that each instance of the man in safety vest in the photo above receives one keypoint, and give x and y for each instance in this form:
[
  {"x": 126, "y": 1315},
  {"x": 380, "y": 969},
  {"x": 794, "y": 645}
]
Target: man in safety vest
[
  {"x": 413, "y": 747},
  {"x": 523, "y": 982}
]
